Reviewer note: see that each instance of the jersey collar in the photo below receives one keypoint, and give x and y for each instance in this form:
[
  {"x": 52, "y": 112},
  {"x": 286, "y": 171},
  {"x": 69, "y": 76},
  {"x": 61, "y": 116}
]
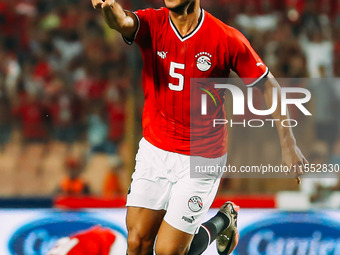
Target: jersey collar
[{"x": 192, "y": 33}]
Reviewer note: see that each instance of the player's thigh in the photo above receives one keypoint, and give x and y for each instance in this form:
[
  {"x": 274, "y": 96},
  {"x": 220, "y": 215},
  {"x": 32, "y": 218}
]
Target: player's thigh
[
  {"x": 143, "y": 225},
  {"x": 191, "y": 197},
  {"x": 149, "y": 187},
  {"x": 172, "y": 241},
  {"x": 190, "y": 201}
]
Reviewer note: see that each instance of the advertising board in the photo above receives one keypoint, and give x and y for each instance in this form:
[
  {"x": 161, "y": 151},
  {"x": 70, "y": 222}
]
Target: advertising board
[{"x": 262, "y": 232}]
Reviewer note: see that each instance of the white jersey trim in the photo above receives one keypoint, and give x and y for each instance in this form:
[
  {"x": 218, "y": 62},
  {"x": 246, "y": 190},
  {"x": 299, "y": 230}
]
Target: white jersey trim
[
  {"x": 182, "y": 39},
  {"x": 263, "y": 75}
]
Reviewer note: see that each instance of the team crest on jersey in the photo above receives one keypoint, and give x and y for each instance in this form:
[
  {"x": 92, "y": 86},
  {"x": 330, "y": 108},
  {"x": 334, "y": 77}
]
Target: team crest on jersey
[
  {"x": 195, "y": 204},
  {"x": 203, "y": 61}
]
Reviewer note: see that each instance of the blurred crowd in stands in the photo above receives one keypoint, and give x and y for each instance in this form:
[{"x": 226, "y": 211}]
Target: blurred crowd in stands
[{"x": 65, "y": 76}]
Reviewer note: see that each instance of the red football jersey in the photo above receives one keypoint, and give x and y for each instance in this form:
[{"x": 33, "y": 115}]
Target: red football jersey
[
  {"x": 170, "y": 61},
  {"x": 94, "y": 241}
]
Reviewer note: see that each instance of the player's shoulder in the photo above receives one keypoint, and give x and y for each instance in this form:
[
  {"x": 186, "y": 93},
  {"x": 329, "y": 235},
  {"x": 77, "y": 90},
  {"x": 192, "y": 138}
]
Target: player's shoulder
[
  {"x": 224, "y": 29},
  {"x": 152, "y": 13}
]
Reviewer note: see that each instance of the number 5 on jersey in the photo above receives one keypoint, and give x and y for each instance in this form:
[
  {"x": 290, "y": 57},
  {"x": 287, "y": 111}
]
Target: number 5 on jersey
[{"x": 180, "y": 77}]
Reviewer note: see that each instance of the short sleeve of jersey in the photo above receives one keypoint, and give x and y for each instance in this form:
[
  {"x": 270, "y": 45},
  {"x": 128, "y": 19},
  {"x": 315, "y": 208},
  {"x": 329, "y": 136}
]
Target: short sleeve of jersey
[
  {"x": 143, "y": 33},
  {"x": 244, "y": 60}
]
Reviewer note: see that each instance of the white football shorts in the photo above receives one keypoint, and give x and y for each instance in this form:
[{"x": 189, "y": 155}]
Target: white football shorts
[{"x": 161, "y": 181}]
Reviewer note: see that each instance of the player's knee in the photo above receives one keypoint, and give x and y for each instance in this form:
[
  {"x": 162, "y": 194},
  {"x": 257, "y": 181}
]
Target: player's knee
[
  {"x": 138, "y": 244},
  {"x": 170, "y": 249},
  {"x": 134, "y": 242}
]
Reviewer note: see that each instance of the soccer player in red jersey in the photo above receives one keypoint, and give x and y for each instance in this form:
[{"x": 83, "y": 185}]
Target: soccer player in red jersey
[
  {"x": 94, "y": 241},
  {"x": 180, "y": 42}
]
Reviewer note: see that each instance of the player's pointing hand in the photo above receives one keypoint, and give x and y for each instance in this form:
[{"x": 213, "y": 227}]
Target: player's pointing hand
[
  {"x": 293, "y": 157},
  {"x": 100, "y": 4},
  {"x": 108, "y": 3},
  {"x": 97, "y": 4}
]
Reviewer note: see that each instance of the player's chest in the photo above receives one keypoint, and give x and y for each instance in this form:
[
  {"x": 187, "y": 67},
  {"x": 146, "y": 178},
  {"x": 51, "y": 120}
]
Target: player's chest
[{"x": 195, "y": 56}]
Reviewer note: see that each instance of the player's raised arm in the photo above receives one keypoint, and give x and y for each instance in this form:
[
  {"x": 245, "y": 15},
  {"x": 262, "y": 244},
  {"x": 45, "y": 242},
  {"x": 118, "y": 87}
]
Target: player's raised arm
[
  {"x": 291, "y": 154},
  {"x": 123, "y": 21}
]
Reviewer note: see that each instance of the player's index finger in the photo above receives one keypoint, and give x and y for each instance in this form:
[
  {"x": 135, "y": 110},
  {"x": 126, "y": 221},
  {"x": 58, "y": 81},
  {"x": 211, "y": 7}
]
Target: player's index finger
[
  {"x": 110, "y": 2},
  {"x": 298, "y": 180},
  {"x": 97, "y": 3},
  {"x": 300, "y": 171}
]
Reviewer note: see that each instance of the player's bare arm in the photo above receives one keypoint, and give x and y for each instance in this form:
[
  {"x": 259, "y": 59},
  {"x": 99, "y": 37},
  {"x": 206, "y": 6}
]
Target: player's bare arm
[
  {"x": 116, "y": 18},
  {"x": 291, "y": 154}
]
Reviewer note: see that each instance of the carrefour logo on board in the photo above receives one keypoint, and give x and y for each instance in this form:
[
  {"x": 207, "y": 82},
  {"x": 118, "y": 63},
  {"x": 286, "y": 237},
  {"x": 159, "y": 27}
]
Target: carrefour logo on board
[
  {"x": 291, "y": 234},
  {"x": 37, "y": 237}
]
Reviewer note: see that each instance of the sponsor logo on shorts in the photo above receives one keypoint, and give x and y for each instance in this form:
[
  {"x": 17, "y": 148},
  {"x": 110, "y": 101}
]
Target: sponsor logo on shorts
[
  {"x": 190, "y": 220},
  {"x": 195, "y": 204}
]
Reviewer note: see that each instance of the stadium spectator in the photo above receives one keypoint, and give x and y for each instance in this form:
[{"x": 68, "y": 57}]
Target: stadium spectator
[
  {"x": 115, "y": 107},
  {"x": 73, "y": 184},
  {"x": 319, "y": 189},
  {"x": 5, "y": 119},
  {"x": 97, "y": 134},
  {"x": 33, "y": 115},
  {"x": 326, "y": 108},
  {"x": 250, "y": 20},
  {"x": 49, "y": 43},
  {"x": 112, "y": 182},
  {"x": 319, "y": 52},
  {"x": 66, "y": 112}
]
